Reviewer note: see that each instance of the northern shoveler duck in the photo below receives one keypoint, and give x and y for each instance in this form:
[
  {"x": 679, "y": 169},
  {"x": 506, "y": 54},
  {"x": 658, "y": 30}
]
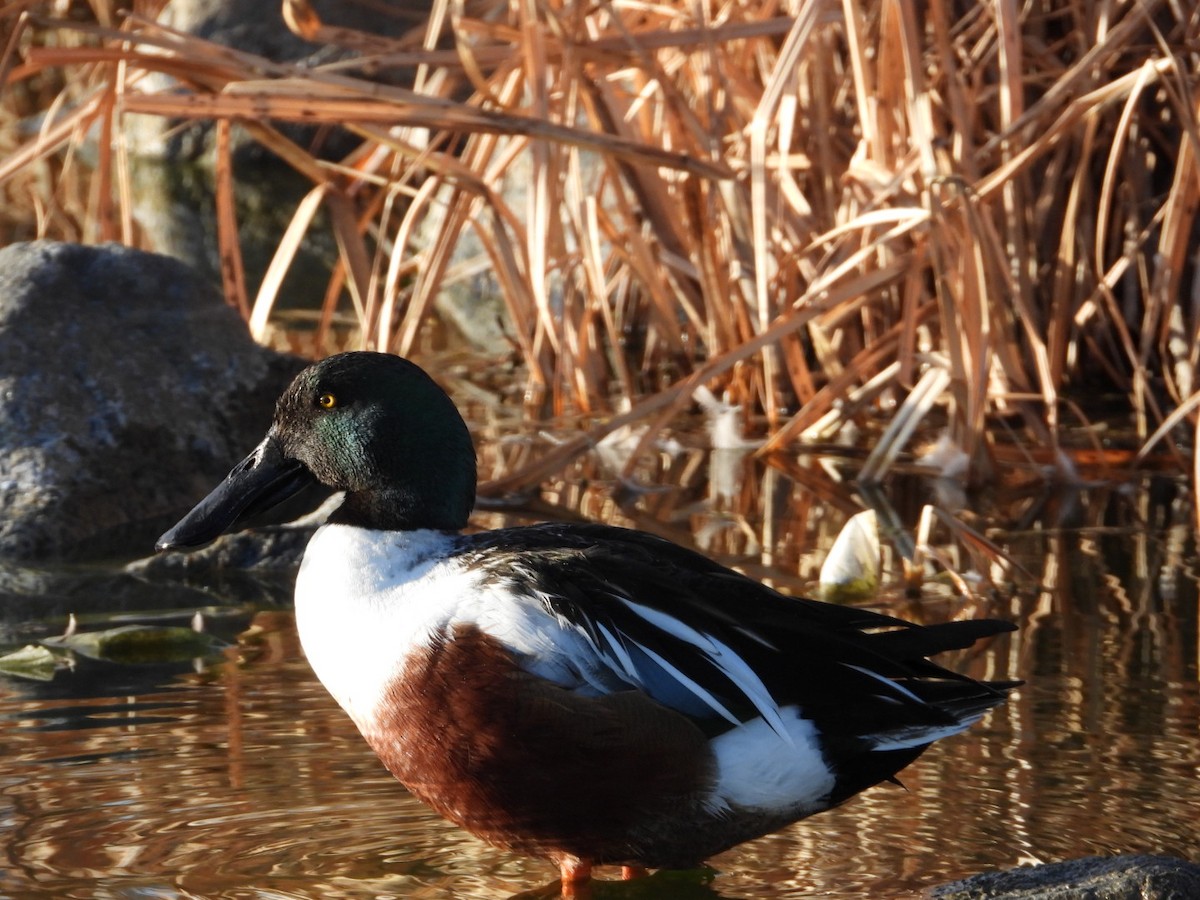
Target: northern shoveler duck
[{"x": 585, "y": 693}]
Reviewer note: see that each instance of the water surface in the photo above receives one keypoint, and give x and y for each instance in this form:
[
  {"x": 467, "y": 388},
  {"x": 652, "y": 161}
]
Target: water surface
[{"x": 237, "y": 777}]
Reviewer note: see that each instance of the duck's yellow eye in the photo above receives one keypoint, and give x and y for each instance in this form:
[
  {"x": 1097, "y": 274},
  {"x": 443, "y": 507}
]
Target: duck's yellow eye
[{"x": 327, "y": 401}]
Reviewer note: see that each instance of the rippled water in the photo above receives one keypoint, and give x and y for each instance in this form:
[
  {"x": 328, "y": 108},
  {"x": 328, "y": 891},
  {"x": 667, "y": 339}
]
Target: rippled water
[{"x": 239, "y": 778}]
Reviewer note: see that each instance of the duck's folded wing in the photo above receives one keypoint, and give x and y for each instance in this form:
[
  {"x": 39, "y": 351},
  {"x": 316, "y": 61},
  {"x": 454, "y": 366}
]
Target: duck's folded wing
[{"x": 724, "y": 649}]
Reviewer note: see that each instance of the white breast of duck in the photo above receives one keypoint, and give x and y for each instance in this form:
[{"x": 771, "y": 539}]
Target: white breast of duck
[{"x": 367, "y": 601}]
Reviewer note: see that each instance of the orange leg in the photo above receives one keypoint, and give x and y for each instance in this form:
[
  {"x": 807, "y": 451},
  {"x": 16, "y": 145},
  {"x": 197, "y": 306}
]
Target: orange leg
[
  {"x": 628, "y": 873},
  {"x": 576, "y": 875},
  {"x": 574, "y": 871}
]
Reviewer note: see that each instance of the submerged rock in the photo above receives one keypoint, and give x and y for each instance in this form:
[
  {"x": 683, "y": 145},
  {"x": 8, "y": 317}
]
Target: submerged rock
[
  {"x": 275, "y": 549},
  {"x": 127, "y": 389},
  {"x": 1091, "y": 878}
]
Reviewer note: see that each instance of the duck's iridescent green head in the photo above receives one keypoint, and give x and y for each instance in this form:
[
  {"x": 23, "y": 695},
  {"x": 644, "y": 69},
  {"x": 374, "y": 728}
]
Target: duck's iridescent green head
[{"x": 370, "y": 424}]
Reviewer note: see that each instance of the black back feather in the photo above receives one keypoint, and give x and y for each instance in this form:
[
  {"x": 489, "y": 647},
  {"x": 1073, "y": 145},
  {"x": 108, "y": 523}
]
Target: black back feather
[{"x": 830, "y": 660}]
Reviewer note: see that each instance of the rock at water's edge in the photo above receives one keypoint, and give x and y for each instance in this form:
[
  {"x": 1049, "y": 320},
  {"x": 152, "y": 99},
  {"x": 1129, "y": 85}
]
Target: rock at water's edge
[
  {"x": 127, "y": 391},
  {"x": 1091, "y": 878}
]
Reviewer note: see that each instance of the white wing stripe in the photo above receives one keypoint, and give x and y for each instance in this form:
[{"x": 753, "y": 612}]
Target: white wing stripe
[
  {"x": 686, "y": 682},
  {"x": 723, "y": 657},
  {"x": 617, "y": 648},
  {"x": 906, "y": 738},
  {"x": 670, "y": 625},
  {"x": 895, "y": 686}
]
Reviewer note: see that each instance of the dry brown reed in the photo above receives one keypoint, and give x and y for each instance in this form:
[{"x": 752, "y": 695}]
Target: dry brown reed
[{"x": 946, "y": 214}]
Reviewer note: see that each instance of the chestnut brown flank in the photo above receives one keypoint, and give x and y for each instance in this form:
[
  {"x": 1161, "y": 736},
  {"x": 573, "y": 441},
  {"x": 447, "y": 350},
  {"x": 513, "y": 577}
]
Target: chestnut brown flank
[{"x": 530, "y": 766}]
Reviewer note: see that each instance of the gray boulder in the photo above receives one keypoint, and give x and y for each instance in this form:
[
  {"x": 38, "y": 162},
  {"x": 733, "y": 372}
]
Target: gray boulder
[
  {"x": 127, "y": 390},
  {"x": 1091, "y": 878}
]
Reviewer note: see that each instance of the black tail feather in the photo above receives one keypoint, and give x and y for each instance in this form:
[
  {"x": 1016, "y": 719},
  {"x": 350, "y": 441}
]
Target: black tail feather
[{"x": 927, "y": 640}]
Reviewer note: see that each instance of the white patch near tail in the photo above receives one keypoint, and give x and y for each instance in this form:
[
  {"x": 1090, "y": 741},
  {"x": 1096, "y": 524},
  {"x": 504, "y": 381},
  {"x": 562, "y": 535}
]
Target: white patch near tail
[{"x": 757, "y": 768}]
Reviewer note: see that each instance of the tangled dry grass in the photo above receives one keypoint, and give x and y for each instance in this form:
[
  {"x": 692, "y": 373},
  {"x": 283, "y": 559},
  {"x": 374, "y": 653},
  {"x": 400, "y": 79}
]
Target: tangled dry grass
[{"x": 978, "y": 218}]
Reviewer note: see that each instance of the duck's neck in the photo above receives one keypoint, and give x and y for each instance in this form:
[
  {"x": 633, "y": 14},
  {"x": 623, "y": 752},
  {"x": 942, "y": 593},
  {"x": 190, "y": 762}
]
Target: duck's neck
[{"x": 406, "y": 509}]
